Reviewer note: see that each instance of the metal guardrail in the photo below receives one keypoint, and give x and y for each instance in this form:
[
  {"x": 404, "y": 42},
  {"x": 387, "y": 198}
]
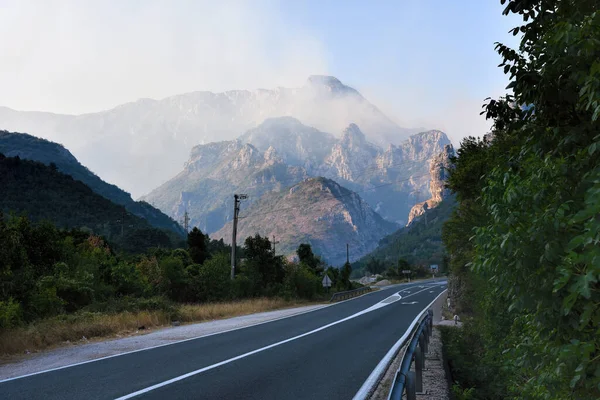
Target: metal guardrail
[
  {"x": 406, "y": 380},
  {"x": 349, "y": 294}
]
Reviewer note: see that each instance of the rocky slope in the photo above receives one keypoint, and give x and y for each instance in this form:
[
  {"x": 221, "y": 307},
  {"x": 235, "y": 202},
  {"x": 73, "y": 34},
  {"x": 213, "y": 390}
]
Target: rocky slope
[
  {"x": 317, "y": 211},
  {"x": 438, "y": 171},
  {"x": 282, "y": 151},
  {"x": 25, "y": 146},
  {"x": 147, "y": 141},
  {"x": 388, "y": 179},
  {"x": 212, "y": 175}
]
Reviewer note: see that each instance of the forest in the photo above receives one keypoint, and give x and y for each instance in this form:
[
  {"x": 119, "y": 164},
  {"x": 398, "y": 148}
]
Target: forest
[{"x": 47, "y": 271}]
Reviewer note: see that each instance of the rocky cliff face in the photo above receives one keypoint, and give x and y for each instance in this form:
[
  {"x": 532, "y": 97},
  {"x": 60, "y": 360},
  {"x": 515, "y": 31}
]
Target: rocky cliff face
[
  {"x": 211, "y": 176},
  {"x": 282, "y": 151},
  {"x": 147, "y": 140},
  {"x": 438, "y": 171},
  {"x": 317, "y": 211}
]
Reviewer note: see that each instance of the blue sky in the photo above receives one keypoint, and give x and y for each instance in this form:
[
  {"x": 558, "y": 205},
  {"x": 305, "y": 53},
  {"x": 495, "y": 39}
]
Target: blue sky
[
  {"x": 425, "y": 63},
  {"x": 436, "y": 53}
]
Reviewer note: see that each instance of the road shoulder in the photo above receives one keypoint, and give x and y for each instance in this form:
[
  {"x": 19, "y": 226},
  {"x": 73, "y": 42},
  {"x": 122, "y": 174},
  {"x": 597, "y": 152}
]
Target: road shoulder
[{"x": 84, "y": 352}]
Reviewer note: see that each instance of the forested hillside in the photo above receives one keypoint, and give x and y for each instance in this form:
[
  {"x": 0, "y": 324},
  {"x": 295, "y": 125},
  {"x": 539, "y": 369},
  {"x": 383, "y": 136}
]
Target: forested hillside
[
  {"x": 524, "y": 240},
  {"x": 418, "y": 244},
  {"x": 43, "y": 193},
  {"x": 29, "y": 147}
]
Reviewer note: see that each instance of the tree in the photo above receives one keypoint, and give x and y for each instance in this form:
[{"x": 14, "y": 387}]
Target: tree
[
  {"x": 261, "y": 263},
  {"x": 344, "y": 277},
  {"x": 375, "y": 266},
  {"x": 524, "y": 240},
  {"x": 308, "y": 258},
  {"x": 196, "y": 241}
]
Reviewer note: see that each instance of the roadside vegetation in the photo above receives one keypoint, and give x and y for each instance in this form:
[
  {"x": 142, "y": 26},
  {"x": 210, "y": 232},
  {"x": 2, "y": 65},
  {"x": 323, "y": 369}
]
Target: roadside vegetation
[
  {"x": 524, "y": 239},
  {"x": 58, "y": 285},
  {"x": 81, "y": 326}
]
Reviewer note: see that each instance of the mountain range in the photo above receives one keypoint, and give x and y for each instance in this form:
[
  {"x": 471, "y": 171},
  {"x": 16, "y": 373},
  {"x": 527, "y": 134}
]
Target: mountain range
[
  {"x": 326, "y": 159},
  {"x": 142, "y": 144},
  {"x": 281, "y": 152}
]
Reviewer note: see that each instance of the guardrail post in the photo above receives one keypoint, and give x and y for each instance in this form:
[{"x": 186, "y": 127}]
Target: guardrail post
[
  {"x": 411, "y": 392},
  {"x": 419, "y": 365},
  {"x": 423, "y": 342},
  {"x": 430, "y": 312}
]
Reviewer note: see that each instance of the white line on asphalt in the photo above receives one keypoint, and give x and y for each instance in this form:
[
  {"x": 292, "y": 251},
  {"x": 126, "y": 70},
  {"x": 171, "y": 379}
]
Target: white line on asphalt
[
  {"x": 181, "y": 341},
  {"x": 374, "y": 377},
  {"x": 198, "y": 371}
]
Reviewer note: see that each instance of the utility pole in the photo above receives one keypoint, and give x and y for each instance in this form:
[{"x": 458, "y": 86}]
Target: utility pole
[
  {"x": 347, "y": 253},
  {"x": 237, "y": 198},
  {"x": 274, "y": 243}
]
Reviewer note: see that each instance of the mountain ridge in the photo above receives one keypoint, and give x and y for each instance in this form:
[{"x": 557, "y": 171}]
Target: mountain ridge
[
  {"x": 137, "y": 135},
  {"x": 358, "y": 165},
  {"x": 318, "y": 211},
  {"x": 32, "y": 148}
]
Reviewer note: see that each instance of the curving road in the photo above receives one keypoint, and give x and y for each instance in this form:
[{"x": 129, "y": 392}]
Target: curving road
[{"x": 327, "y": 353}]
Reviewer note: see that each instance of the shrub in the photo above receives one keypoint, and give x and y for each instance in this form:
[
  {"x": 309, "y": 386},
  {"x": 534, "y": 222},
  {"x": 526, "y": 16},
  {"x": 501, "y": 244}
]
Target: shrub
[{"x": 11, "y": 314}]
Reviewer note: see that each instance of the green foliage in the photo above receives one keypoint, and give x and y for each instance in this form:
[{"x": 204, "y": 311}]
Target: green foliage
[
  {"x": 47, "y": 272},
  {"x": 309, "y": 259},
  {"x": 300, "y": 281},
  {"x": 419, "y": 244},
  {"x": 60, "y": 159},
  {"x": 343, "y": 281},
  {"x": 212, "y": 279},
  {"x": 10, "y": 313},
  {"x": 262, "y": 266},
  {"x": 524, "y": 239},
  {"x": 43, "y": 193}
]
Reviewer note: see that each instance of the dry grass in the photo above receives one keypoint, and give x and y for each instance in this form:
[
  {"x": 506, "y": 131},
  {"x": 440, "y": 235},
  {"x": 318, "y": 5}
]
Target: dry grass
[{"x": 59, "y": 331}]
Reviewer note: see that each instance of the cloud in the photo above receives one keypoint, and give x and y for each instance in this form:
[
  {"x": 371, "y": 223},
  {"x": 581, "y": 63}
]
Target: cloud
[{"x": 74, "y": 57}]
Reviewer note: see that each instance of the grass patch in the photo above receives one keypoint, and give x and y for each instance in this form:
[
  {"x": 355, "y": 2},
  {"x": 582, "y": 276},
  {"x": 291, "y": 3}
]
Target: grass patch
[{"x": 55, "y": 331}]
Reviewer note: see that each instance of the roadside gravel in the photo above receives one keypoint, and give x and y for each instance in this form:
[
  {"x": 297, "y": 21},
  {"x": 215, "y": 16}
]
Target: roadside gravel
[{"x": 85, "y": 350}]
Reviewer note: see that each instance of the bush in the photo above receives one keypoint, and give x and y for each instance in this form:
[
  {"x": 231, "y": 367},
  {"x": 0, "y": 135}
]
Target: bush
[
  {"x": 212, "y": 280},
  {"x": 301, "y": 282},
  {"x": 11, "y": 314}
]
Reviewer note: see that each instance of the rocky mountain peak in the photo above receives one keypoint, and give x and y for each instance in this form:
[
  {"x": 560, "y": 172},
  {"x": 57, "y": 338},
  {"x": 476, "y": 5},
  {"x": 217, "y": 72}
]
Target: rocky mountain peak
[
  {"x": 330, "y": 84},
  {"x": 353, "y": 136},
  {"x": 247, "y": 156},
  {"x": 438, "y": 171},
  {"x": 272, "y": 157}
]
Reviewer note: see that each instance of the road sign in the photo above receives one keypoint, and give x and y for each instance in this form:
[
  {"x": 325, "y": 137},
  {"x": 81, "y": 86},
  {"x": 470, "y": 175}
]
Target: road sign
[
  {"x": 434, "y": 267},
  {"x": 326, "y": 281},
  {"x": 406, "y": 271}
]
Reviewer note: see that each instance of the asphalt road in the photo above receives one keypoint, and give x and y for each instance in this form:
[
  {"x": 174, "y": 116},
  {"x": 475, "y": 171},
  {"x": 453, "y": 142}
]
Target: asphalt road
[{"x": 323, "y": 354}]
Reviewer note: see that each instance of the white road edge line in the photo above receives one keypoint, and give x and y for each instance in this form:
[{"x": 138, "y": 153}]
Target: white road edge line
[
  {"x": 374, "y": 307},
  {"x": 183, "y": 340},
  {"x": 373, "y": 379}
]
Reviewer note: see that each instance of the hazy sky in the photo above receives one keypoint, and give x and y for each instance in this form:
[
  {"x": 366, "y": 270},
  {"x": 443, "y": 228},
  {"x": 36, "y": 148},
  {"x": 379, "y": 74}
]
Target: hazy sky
[{"x": 425, "y": 63}]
